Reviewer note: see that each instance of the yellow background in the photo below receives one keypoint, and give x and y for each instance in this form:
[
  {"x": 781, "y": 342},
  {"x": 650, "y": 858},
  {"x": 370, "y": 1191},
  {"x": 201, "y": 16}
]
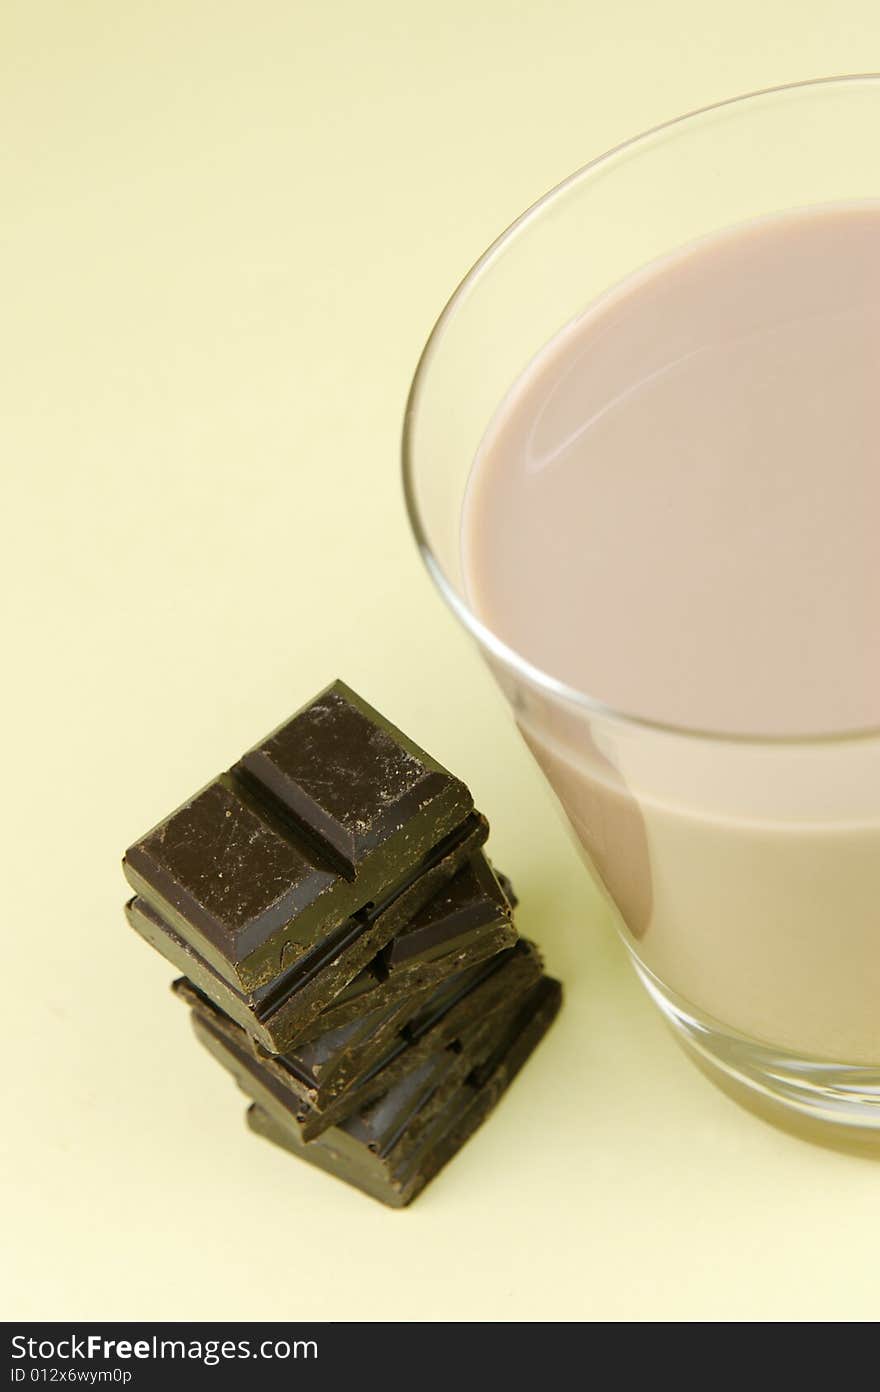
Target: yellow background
[{"x": 227, "y": 228}]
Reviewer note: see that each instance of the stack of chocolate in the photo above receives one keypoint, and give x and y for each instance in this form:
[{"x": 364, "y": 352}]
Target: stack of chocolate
[{"x": 348, "y": 952}]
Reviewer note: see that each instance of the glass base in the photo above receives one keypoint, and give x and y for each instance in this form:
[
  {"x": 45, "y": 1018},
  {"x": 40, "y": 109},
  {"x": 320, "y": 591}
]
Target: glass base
[{"x": 837, "y": 1100}]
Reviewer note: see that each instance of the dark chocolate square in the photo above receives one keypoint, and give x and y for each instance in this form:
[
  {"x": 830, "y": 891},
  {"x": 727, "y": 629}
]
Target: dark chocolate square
[
  {"x": 225, "y": 869},
  {"x": 462, "y": 908},
  {"x": 347, "y": 773},
  {"x": 321, "y": 822}
]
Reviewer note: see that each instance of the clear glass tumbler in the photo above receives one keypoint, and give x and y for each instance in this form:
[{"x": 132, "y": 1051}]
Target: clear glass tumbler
[{"x": 745, "y": 873}]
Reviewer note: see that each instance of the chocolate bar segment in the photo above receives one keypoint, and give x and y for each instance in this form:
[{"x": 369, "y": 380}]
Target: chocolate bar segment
[
  {"x": 335, "y": 1059},
  {"x": 291, "y": 1006},
  {"x": 349, "y": 775},
  {"x": 314, "y": 826},
  {"x": 374, "y": 988},
  {"x": 319, "y": 1070},
  {"x": 353, "y": 1059},
  {"x": 313, "y": 1107},
  {"x": 384, "y": 1150},
  {"x": 227, "y": 877},
  {"x": 466, "y": 906}
]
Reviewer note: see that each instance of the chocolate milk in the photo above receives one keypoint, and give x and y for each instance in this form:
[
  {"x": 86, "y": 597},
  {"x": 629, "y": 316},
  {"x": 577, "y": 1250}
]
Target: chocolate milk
[{"x": 676, "y": 510}]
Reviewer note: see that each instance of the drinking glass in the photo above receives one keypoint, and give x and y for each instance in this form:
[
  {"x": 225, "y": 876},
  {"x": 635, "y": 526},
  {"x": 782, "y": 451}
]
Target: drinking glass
[{"x": 744, "y": 872}]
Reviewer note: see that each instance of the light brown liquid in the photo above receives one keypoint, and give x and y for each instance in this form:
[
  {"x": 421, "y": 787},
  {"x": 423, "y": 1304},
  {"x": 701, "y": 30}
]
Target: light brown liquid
[{"x": 677, "y": 511}]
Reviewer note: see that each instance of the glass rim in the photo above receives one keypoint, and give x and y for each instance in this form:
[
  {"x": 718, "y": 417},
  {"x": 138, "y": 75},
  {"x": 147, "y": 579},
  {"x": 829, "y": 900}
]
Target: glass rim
[{"x": 490, "y": 640}]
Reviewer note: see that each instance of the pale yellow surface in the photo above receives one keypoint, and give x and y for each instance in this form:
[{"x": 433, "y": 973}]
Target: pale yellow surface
[{"x": 227, "y": 228}]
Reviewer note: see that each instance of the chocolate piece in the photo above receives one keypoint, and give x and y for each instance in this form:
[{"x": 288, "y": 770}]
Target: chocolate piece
[
  {"x": 278, "y": 1013},
  {"x": 334, "y": 1060},
  {"x": 319, "y": 1070},
  {"x": 350, "y": 776},
  {"x": 384, "y": 1151},
  {"x": 467, "y": 905},
  {"x": 374, "y": 988},
  {"x": 466, "y": 1003},
  {"x": 338, "y": 1060},
  {"x": 316, "y": 824}
]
